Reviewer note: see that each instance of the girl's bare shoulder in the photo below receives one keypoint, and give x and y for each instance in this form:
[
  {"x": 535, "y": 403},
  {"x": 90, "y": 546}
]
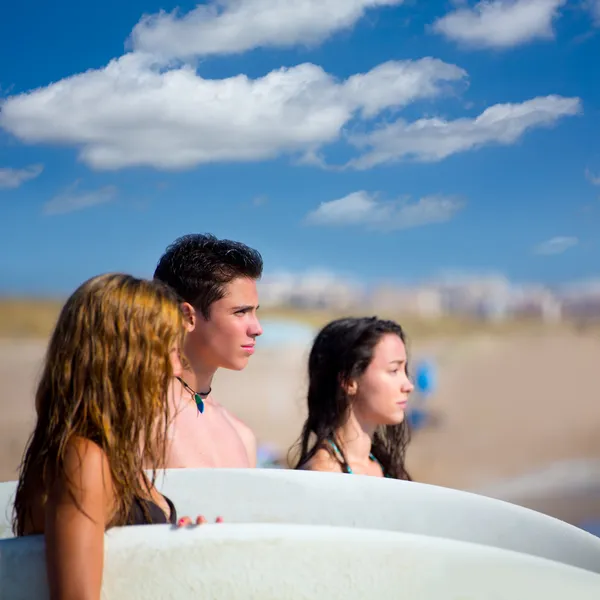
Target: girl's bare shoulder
[{"x": 323, "y": 461}]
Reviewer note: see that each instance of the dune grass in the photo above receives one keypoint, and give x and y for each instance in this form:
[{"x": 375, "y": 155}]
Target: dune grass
[
  {"x": 35, "y": 318},
  {"x": 28, "y": 317},
  {"x": 445, "y": 326}
]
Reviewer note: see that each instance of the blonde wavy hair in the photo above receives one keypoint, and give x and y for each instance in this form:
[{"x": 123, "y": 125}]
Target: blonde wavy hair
[{"x": 106, "y": 377}]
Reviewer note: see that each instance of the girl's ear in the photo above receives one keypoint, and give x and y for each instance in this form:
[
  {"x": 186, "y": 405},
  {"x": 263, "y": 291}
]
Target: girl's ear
[{"x": 350, "y": 387}]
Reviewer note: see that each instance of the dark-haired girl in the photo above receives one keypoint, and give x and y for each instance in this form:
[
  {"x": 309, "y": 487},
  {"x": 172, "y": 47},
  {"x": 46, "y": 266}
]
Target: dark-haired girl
[{"x": 358, "y": 390}]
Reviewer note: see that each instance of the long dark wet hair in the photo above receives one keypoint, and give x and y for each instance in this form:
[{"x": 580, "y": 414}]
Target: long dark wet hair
[{"x": 342, "y": 351}]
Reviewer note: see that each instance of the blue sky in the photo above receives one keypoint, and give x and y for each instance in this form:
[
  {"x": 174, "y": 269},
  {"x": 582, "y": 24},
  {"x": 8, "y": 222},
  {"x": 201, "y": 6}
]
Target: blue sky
[{"x": 374, "y": 138}]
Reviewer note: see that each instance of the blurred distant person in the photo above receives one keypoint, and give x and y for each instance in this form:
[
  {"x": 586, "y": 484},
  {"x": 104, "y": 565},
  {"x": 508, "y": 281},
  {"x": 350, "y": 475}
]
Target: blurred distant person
[
  {"x": 418, "y": 416},
  {"x": 216, "y": 283},
  {"x": 358, "y": 389},
  {"x": 102, "y": 418}
]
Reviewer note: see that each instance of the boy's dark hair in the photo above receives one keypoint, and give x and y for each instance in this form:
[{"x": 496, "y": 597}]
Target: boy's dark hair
[{"x": 199, "y": 266}]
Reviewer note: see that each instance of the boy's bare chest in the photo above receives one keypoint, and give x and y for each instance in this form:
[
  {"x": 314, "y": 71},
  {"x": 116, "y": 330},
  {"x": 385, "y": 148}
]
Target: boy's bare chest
[{"x": 205, "y": 440}]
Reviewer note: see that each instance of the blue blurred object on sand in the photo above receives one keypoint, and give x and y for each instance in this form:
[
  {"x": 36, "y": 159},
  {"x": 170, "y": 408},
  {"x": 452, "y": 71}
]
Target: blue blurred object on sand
[
  {"x": 425, "y": 378},
  {"x": 417, "y": 418},
  {"x": 267, "y": 457},
  {"x": 425, "y": 384}
]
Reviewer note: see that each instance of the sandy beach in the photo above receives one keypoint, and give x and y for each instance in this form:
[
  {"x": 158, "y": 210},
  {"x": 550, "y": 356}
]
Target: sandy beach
[{"x": 515, "y": 416}]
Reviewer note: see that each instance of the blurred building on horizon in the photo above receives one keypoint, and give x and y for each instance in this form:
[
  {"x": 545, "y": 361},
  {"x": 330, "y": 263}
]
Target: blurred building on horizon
[{"x": 492, "y": 298}]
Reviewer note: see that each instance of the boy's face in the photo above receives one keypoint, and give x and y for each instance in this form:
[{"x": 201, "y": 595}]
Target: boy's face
[{"x": 226, "y": 340}]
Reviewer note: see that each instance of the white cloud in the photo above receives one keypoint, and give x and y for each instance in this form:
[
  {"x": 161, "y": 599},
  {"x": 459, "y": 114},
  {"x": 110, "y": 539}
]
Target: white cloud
[
  {"x": 72, "y": 199},
  {"x": 592, "y": 177},
  {"x": 398, "y": 83},
  {"x": 595, "y": 10},
  {"x": 131, "y": 113},
  {"x": 435, "y": 139},
  {"x": 260, "y": 200},
  {"x": 363, "y": 208},
  {"x": 233, "y": 26},
  {"x": 556, "y": 245},
  {"x": 13, "y": 178},
  {"x": 500, "y": 23}
]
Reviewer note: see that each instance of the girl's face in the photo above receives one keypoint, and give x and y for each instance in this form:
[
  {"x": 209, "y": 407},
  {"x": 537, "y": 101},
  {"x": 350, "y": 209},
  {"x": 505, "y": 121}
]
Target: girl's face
[{"x": 381, "y": 392}]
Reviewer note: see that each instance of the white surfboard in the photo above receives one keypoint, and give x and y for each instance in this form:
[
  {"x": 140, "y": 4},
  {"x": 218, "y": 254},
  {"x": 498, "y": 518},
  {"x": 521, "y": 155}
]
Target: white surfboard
[
  {"x": 293, "y": 497},
  {"x": 285, "y": 496},
  {"x": 7, "y": 497},
  {"x": 280, "y": 562}
]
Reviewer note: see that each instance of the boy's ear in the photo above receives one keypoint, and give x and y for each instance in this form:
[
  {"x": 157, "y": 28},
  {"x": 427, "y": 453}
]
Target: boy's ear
[{"x": 189, "y": 316}]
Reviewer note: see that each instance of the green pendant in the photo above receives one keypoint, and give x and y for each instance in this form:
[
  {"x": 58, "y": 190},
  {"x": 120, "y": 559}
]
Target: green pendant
[{"x": 199, "y": 403}]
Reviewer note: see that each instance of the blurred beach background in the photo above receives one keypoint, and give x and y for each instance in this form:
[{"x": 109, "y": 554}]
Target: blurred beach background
[
  {"x": 437, "y": 163},
  {"x": 514, "y": 413}
]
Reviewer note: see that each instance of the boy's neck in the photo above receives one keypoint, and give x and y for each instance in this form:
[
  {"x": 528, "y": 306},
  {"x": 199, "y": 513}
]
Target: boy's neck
[{"x": 200, "y": 380}]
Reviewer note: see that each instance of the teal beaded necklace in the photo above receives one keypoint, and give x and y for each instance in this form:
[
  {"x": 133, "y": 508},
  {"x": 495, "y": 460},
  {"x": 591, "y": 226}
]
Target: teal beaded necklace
[{"x": 197, "y": 396}]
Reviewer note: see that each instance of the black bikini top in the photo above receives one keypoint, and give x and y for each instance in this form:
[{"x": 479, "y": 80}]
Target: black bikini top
[{"x": 155, "y": 512}]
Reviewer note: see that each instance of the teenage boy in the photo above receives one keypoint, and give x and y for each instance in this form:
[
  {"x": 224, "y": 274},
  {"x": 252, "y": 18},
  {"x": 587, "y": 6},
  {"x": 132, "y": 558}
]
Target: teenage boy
[{"x": 216, "y": 281}]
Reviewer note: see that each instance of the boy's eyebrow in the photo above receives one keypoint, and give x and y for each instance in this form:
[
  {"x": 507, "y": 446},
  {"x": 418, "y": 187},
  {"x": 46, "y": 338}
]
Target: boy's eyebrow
[
  {"x": 400, "y": 361},
  {"x": 245, "y": 307}
]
